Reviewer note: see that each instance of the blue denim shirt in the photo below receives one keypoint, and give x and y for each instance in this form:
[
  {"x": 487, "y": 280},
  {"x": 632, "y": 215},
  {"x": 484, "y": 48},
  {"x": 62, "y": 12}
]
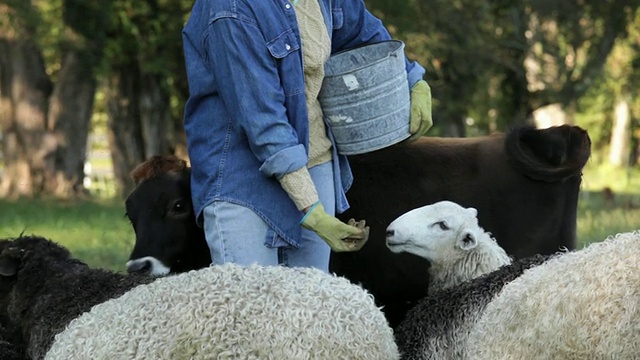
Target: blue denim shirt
[{"x": 246, "y": 116}]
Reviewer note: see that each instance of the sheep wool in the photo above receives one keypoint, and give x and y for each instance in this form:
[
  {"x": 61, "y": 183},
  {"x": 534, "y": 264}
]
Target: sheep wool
[
  {"x": 233, "y": 312},
  {"x": 11, "y": 347},
  {"x": 438, "y": 326},
  {"x": 582, "y": 305}
]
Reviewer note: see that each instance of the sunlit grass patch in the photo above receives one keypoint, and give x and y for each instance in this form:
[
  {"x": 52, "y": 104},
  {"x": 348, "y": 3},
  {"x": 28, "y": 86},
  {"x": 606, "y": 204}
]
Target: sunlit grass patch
[
  {"x": 95, "y": 232},
  {"x": 609, "y": 203}
]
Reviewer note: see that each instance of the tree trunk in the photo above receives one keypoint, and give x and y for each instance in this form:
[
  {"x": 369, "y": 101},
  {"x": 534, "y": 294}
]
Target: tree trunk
[
  {"x": 70, "y": 112},
  {"x": 155, "y": 115},
  {"x": 25, "y": 89},
  {"x": 125, "y": 128},
  {"x": 634, "y": 159},
  {"x": 620, "y": 134}
]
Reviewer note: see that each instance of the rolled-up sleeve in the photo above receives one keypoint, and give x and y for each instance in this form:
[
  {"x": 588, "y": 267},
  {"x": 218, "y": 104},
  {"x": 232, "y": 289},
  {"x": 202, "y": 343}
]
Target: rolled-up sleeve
[{"x": 250, "y": 87}]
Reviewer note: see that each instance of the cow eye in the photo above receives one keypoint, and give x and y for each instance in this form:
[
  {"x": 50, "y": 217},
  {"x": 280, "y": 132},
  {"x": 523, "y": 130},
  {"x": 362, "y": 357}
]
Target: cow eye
[
  {"x": 179, "y": 207},
  {"x": 443, "y": 225}
]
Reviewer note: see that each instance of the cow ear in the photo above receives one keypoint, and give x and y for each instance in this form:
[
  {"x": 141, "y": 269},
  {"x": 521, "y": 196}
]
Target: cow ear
[
  {"x": 467, "y": 241},
  {"x": 472, "y": 211}
]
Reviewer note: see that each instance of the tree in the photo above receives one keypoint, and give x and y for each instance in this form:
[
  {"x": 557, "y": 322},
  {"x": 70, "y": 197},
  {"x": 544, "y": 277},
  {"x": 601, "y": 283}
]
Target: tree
[
  {"x": 71, "y": 104},
  {"x": 24, "y": 90},
  {"x": 53, "y": 53},
  {"x": 48, "y": 108},
  {"x": 611, "y": 108},
  {"x": 499, "y": 61},
  {"x": 145, "y": 76}
]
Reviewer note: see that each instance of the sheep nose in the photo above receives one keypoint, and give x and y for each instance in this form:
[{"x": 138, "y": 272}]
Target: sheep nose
[
  {"x": 390, "y": 232},
  {"x": 139, "y": 267}
]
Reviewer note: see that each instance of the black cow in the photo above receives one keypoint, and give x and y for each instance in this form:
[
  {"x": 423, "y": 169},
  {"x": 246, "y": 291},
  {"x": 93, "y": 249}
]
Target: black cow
[
  {"x": 525, "y": 187},
  {"x": 162, "y": 216}
]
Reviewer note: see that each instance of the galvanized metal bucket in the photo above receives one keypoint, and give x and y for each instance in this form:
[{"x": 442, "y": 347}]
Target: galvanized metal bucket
[{"x": 365, "y": 97}]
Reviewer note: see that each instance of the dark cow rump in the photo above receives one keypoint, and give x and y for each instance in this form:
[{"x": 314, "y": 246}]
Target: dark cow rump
[
  {"x": 526, "y": 197},
  {"x": 550, "y": 154}
]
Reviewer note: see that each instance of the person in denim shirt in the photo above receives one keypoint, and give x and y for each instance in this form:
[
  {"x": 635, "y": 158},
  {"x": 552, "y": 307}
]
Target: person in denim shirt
[{"x": 266, "y": 176}]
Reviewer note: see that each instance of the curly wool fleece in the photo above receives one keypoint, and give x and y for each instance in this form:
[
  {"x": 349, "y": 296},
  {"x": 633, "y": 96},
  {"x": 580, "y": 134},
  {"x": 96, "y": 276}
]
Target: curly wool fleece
[
  {"x": 233, "y": 312},
  {"x": 582, "y": 305}
]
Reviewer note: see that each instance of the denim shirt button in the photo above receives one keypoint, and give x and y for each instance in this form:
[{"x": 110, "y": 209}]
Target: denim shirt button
[
  {"x": 288, "y": 47},
  {"x": 287, "y": 6}
]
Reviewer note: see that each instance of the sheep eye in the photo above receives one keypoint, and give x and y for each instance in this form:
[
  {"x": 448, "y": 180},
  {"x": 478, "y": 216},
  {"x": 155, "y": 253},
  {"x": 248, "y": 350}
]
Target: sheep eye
[{"x": 443, "y": 225}]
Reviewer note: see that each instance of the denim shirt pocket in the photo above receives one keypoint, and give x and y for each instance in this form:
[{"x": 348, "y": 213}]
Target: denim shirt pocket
[
  {"x": 285, "y": 49},
  {"x": 283, "y": 44}
]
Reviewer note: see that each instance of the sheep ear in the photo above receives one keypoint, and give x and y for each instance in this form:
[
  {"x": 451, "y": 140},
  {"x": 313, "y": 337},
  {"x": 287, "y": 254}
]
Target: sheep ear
[
  {"x": 8, "y": 266},
  {"x": 467, "y": 241},
  {"x": 472, "y": 211}
]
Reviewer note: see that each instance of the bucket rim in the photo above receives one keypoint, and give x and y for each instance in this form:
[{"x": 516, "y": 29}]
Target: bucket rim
[{"x": 341, "y": 52}]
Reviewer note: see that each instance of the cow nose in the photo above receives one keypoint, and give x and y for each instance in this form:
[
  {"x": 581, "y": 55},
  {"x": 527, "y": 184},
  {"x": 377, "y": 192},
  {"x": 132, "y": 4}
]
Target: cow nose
[{"x": 139, "y": 267}]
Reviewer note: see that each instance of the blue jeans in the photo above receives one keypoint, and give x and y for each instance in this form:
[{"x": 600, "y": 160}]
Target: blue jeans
[{"x": 237, "y": 234}]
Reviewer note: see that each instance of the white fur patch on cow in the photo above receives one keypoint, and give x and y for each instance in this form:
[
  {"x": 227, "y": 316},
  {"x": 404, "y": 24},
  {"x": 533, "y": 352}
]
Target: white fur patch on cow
[{"x": 157, "y": 267}]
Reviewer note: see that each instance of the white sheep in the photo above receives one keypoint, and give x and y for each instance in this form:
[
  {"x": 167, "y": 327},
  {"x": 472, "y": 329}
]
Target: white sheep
[
  {"x": 448, "y": 235},
  {"x": 233, "y": 312},
  {"x": 470, "y": 268},
  {"x": 582, "y": 305}
]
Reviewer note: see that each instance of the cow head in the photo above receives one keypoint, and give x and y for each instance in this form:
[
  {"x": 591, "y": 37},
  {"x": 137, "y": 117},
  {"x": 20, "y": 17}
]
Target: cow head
[{"x": 168, "y": 238}]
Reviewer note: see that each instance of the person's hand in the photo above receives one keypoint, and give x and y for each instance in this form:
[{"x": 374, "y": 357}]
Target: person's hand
[
  {"x": 421, "y": 120},
  {"x": 339, "y": 236}
]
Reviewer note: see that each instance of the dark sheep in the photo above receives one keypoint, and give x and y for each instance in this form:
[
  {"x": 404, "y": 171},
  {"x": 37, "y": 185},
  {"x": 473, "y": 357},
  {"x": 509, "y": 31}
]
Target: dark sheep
[
  {"x": 12, "y": 346},
  {"x": 42, "y": 288},
  {"x": 439, "y": 325}
]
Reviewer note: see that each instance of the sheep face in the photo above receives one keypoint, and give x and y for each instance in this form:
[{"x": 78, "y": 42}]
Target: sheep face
[
  {"x": 23, "y": 260},
  {"x": 15, "y": 252},
  {"x": 444, "y": 231}
]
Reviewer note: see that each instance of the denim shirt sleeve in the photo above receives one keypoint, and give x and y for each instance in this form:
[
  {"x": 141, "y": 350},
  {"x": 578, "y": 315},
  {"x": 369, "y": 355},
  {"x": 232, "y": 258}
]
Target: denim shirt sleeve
[
  {"x": 356, "y": 26},
  {"x": 250, "y": 87}
]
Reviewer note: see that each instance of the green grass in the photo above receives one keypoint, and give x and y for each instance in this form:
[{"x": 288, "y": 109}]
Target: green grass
[
  {"x": 598, "y": 218},
  {"x": 599, "y": 214},
  {"x": 98, "y": 233},
  {"x": 622, "y": 180},
  {"x": 95, "y": 232}
]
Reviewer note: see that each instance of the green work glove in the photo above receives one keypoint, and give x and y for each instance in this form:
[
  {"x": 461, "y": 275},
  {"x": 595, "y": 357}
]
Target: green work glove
[
  {"x": 341, "y": 237},
  {"x": 421, "y": 120}
]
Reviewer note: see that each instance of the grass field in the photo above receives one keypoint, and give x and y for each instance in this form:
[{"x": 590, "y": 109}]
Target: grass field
[
  {"x": 609, "y": 202},
  {"x": 99, "y": 233},
  {"x": 96, "y": 232}
]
